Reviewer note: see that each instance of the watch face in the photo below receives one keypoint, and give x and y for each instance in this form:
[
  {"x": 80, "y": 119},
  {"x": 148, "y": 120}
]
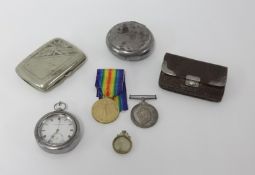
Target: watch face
[{"x": 57, "y": 129}]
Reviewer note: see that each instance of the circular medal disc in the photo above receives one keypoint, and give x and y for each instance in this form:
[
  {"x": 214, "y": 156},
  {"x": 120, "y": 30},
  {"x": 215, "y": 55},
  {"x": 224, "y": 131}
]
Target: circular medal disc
[
  {"x": 122, "y": 144},
  {"x": 144, "y": 115},
  {"x": 130, "y": 41},
  {"x": 105, "y": 110}
]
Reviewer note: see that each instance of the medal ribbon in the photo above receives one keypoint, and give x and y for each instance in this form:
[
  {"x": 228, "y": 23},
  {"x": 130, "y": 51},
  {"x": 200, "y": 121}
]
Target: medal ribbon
[{"x": 111, "y": 83}]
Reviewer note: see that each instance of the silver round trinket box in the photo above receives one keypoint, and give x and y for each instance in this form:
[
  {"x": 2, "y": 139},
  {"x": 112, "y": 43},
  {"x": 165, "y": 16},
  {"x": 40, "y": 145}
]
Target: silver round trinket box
[{"x": 130, "y": 41}]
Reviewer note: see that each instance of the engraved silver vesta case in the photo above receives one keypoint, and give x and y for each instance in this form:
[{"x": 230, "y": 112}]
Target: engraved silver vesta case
[
  {"x": 50, "y": 64},
  {"x": 130, "y": 41},
  {"x": 143, "y": 114},
  {"x": 58, "y": 131}
]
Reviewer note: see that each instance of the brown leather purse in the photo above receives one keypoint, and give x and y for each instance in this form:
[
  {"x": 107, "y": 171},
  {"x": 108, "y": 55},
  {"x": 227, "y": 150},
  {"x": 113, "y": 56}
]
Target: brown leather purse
[{"x": 194, "y": 78}]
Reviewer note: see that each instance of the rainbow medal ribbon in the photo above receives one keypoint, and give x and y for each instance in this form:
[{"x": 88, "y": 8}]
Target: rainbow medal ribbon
[{"x": 111, "y": 91}]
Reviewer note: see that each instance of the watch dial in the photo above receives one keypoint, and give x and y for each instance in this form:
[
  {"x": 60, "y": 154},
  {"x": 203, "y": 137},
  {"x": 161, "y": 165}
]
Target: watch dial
[{"x": 57, "y": 129}]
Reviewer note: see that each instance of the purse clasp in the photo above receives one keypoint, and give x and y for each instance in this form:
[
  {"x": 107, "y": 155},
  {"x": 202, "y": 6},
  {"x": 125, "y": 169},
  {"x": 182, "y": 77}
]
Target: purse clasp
[{"x": 192, "y": 81}]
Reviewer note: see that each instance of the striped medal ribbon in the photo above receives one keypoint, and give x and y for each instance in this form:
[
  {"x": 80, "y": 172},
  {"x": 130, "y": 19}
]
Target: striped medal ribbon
[{"x": 111, "y": 83}]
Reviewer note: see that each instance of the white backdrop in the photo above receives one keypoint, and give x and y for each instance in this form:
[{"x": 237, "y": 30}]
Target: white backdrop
[{"x": 192, "y": 136}]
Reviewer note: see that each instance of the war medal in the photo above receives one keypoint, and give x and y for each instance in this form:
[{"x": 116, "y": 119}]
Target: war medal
[
  {"x": 130, "y": 41},
  {"x": 111, "y": 91},
  {"x": 122, "y": 144},
  {"x": 143, "y": 114},
  {"x": 57, "y": 131},
  {"x": 105, "y": 110}
]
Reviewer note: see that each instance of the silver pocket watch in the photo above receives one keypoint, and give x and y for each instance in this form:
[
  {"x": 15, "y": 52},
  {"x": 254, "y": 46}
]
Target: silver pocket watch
[{"x": 58, "y": 131}]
